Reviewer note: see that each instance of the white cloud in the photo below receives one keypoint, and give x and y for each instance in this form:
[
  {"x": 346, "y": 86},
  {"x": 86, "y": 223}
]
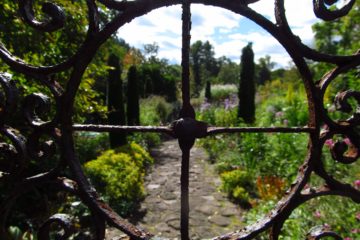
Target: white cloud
[
  {"x": 226, "y": 31},
  {"x": 159, "y": 26},
  {"x": 212, "y": 18},
  {"x": 299, "y": 13}
]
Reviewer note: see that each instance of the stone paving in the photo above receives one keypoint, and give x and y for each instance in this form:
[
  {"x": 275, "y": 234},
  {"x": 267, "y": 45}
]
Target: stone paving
[{"x": 211, "y": 214}]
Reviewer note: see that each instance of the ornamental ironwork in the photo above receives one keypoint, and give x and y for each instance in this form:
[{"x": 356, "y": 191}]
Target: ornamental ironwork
[{"x": 41, "y": 138}]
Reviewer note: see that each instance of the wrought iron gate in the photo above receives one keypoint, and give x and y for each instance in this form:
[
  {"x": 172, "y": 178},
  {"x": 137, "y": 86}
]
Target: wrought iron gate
[{"x": 19, "y": 149}]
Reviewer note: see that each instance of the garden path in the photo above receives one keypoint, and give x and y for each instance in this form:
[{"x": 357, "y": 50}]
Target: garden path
[{"x": 211, "y": 213}]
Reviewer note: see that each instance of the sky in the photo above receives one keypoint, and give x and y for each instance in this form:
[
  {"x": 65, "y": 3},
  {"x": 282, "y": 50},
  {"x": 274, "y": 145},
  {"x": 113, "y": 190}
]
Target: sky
[{"x": 227, "y": 32}]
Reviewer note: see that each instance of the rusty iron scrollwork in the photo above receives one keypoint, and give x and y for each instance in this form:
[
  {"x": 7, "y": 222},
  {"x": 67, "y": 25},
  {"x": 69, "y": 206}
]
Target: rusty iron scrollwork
[{"x": 43, "y": 138}]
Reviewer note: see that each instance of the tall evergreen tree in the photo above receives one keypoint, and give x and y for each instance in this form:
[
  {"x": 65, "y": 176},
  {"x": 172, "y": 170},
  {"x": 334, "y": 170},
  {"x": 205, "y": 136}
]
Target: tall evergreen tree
[
  {"x": 247, "y": 85},
  {"x": 208, "y": 90},
  {"x": 133, "y": 109},
  {"x": 115, "y": 101}
]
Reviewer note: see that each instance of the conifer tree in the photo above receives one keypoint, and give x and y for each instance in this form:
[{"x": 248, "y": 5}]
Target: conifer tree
[
  {"x": 133, "y": 109},
  {"x": 247, "y": 85},
  {"x": 208, "y": 90},
  {"x": 115, "y": 101}
]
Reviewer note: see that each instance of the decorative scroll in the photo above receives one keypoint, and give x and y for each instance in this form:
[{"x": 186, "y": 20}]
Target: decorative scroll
[{"x": 41, "y": 139}]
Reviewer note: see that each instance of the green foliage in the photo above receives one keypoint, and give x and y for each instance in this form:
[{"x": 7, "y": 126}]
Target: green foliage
[
  {"x": 89, "y": 145},
  {"x": 340, "y": 214},
  {"x": 229, "y": 72},
  {"x": 220, "y": 92},
  {"x": 339, "y": 37},
  {"x": 280, "y": 105},
  {"x": 155, "y": 110},
  {"x": 38, "y": 48},
  {"x": 159, "y": 78},
  {"x": 139, "y": 155},
  {"x": 146, "y": 140},
  {"x": 218, "y": 115},
  {"x": 133, "y": 111},
  {"x": 203, "y": 63},
  {"x": 263, "y": 70},
  {"x": 247, "y": 85},
  {"x": 119, "y": 176}
]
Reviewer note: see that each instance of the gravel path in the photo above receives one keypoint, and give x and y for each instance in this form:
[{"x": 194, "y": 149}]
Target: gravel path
[{"x": 211, "y": 214}]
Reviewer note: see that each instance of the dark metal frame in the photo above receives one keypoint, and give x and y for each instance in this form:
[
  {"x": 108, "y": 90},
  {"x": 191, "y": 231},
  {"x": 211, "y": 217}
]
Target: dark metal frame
[{"x": 186, "y": 129}]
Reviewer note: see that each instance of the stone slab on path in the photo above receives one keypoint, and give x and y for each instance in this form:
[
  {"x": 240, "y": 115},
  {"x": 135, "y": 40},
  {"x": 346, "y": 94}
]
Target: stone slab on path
[{"x": 211, "y": 214}]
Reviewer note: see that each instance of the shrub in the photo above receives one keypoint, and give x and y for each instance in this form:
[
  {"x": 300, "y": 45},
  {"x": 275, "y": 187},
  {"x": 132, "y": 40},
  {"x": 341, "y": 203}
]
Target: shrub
[
  {"x": 238, "y": 185},
  {"x": 119, "y": 176},
  {"x": 141, "y": 157},
  {"x": 154, "y": 110},
  {"x": 221, "y": 92}
]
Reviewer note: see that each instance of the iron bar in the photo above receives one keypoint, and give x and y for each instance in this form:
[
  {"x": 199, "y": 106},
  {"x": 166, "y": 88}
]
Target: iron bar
[
  {"x": 187, "y": 111},
  {"x": 115, "y": 128},
  {"x": 217, "y": 130},
  {"x": 184, "y": 180},
  {"x": 186, "y": 27}
]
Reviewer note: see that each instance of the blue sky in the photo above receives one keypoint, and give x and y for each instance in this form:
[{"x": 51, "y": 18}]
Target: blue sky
[{"x": 226, "y": 31}]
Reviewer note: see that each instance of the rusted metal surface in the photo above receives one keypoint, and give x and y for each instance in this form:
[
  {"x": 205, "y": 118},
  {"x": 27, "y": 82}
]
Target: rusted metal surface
[{"x": 20, "y": 145}]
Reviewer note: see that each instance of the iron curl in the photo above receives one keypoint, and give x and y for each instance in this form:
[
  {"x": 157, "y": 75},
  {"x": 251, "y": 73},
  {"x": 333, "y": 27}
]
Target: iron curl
[
  {"x": 318, "y": 232},
  {"x": 55, "y": 13},
  {"x": 34, "y": 105},
  {"x": 65, "y": 223},
  {"x": 322, "y": 11},
  {"x": 342, "y": 104}
]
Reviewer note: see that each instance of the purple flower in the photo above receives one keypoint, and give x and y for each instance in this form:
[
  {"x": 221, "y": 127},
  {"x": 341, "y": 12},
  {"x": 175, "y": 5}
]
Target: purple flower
[
  {"x": 286, "y": 122},
  {"x": 355, "y": 230},
  {"x": 357, "y": 216},
  {"x": 329, "y": 142},
  {"x": 230, "y": 103},
  {"x": 279, "y": 114},
  {"x": 347, "y": 141},
  {"x": 205, "y": 105},
  {"x": 227, "y": 104},
  {"x": 317, "y": 214},
  {"x": 348, "y": 238}
]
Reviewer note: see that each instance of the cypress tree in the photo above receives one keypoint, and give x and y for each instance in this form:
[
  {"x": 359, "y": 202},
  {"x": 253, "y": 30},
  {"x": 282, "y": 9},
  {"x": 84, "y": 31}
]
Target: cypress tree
[
  {"x": 133, "y": 109},
  {"x": 247, "y": 85},
  {"x": 115, "y": 101},
  {"x": 208, "y": 90}
]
